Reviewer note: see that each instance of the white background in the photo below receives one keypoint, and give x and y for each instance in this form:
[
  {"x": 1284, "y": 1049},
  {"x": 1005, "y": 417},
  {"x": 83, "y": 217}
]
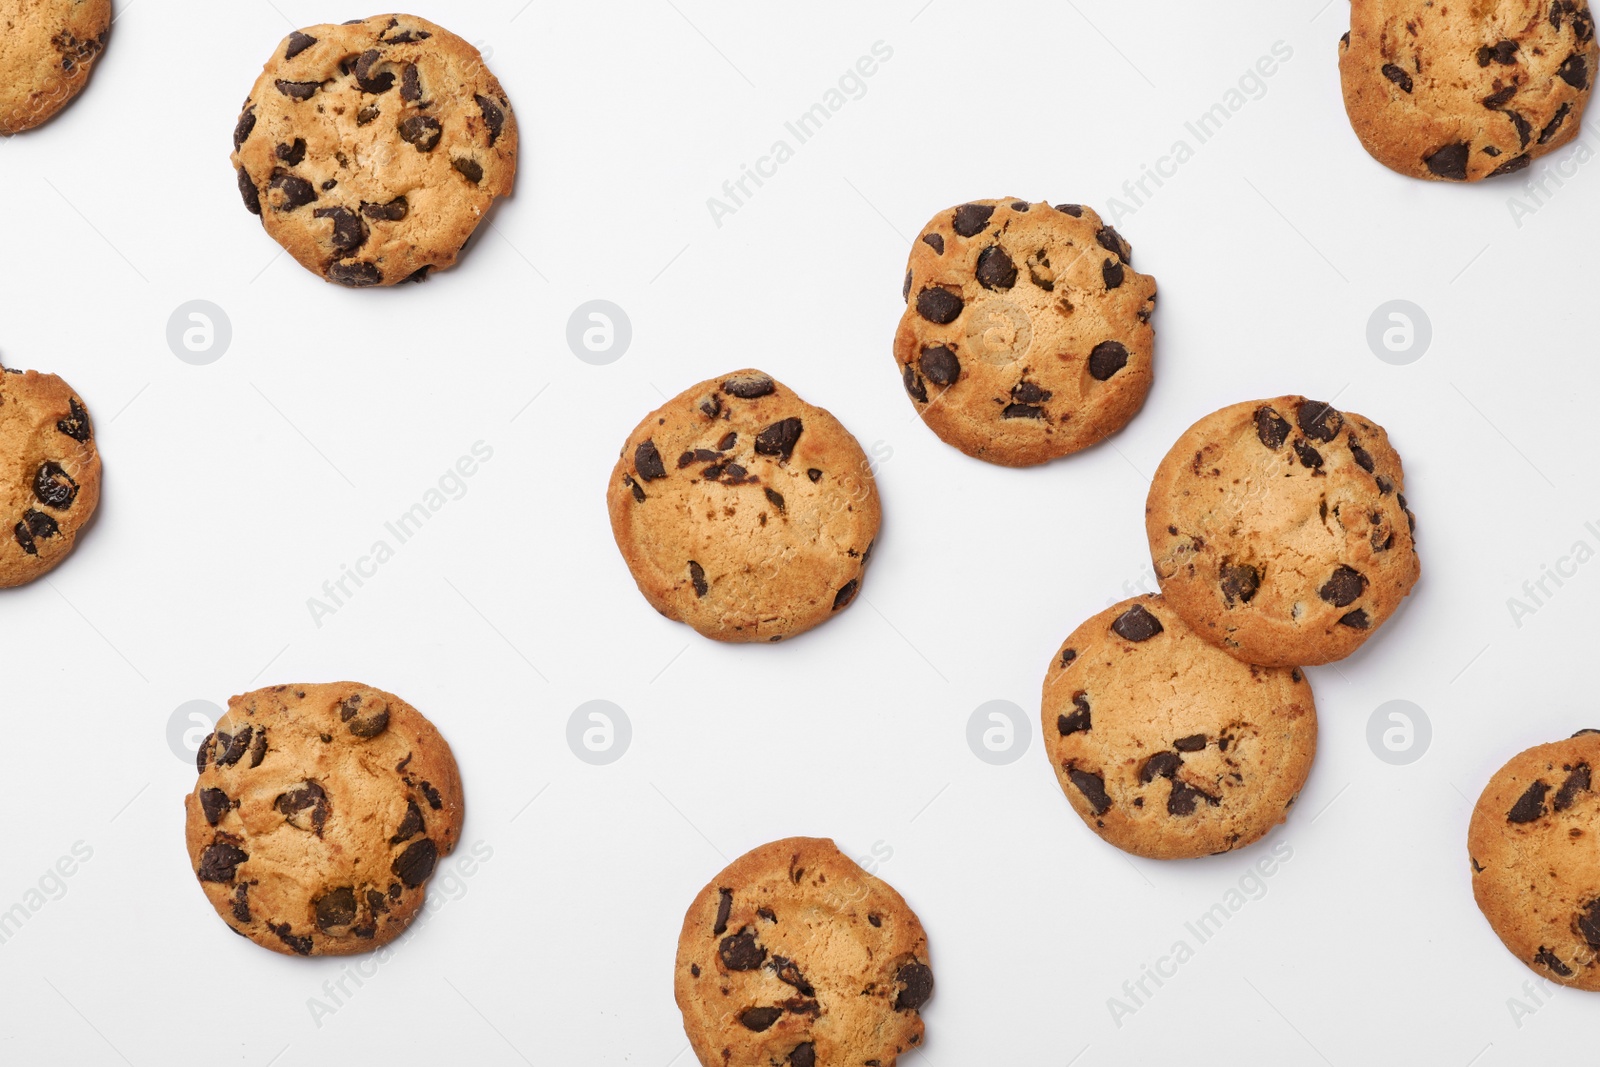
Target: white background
[{"x": 232, "y": 491}]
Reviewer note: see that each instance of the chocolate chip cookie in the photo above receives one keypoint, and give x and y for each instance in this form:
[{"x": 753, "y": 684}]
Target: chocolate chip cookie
[
  {"x": 744, "y": 511},
  {"x": 1280, "y": 531},
  {"x": 1165, "y": 745},
  {"x": 1026, "y": 334},
  {"x": 49, "y": 473},
  {"x": 46, "y": 50},
  {"x": 373, "y": 150},
  {"x": 319, "y": 815},
  {"x": 795, "y": 957},
  {"x": 1464, "y": 91},
  {"x": 1534, "y": 870}
]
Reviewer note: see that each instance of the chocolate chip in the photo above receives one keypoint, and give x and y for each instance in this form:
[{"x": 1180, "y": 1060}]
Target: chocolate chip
[
  {"x": 297, "y": 90},
  {"x": 1106, "y": 359},
  {"x": 1184, "y": 797},
  {"x": 295, "y": 190},
  {"x": 215, "y": 804},
  {"x": 202, "y": 754},
  {"x": 1079, "y": 720},
  {"x": 939, "y": 305},
  {"x": 411, "y": 84},
  {"x": 804, "y": 1055},
  {"x": 53, "y": 486},
  {"x": 1021, "y": 411},
  {"x": 258, "y": 748},
  {"x": 1398, "y": 76},
  {"x": 1093, "y": 788},
  {"x": 647, "y": 461},
  {"x": 1552, "y": 961},
  {"x": 1075, "y": 210},
  {"x": 1497, "y": 100},
  {"x": 415, "y": 864},
  {"x": 1503, "y": 53},
  {"x": 1319, "y": 421},
  {"x": 1067, "y": 656},
  {"x": 233, "y": 747},
  {"x": 1524, "y": 128},
  {"x": 1161, "y": 765},
  {"x": 1363, "y": 458},
  {"x": 846, "y": 593},
  {"x": 1240, "y": 581},
  {"x": 759, "y": 1019},
  {"x": 469, "y": 169},
  {"x": 1356, "y": 620},
  {"x": 1136, "y": 624},
  {"x": 749, "y": 386},
  {"x": 35, "y": 526},
  {"x": 1111, "y": 272},
  {"x": 1512, "y": 165},
  {"x": 368, "y": 115},
  {"x": 970, "y": 219},
  {"x": 300, "y": 946},
  {"x": 697, "y": 576},
  {"x": 1530, "y": 805},
  {"x": 1385, "y": 486},
  {"x": 249, "y": 192},
  {"x": 308, "y": 796},
  {"x": 291, "y": 155},
  {"x": 724, "y": 907},
  {"x": 435, "y": 801},
  {"x": 1588, "y": 923},
  {"x": 1112, "y": 241},
  {"x": 916, "y": 981},
  {"x": 995, "y": 269},
  {"x": 494, "y": 117},
  {"x": 355, "y": 275},
  {"x": 1271, "y": 428},
  {"x": 421, "y": 132},
  {"x": 1309, "y": 457},
  {"x": 298, "y": 42},
  {"x": 940, "y": 365},
  {"x": 916, "y": 388},
  {"x": 241, "y": 902},
  {"x": 1030, "y": 393},
  {"x": 1192, "y": 743},
  {"x": 349, "y": 232},
  {"x": 410, "y": 825},
  {"x": 934, "y": 241},
  {"x": 1343, "y": 587},
  {"x": 741, "y": 952},
  {"x": 1449, "y": 162},
  {"x": 220, "y": 861},
  {"x": 247, "y": 123},
  {"x": 335, "y": 908},
  {"x": 779, "y": 439},
  {"x": 1548, "y": 134},
  {"x": 394, "y": 211},
  {"x": 363, "y": 72},
  {"x": 1577, "y": 782},
  {"x": 814, "y": 474},
  {"x": 774, "y": 498}
]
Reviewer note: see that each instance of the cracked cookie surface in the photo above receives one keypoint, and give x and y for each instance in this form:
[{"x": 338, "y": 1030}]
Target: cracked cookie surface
[
  {"x": 1466, "y": 90},
  {"x": 49, "y": 473},
  {"x": 1165, "y": 745},
  {"x": 319, "y": 815},
  {"x": 47, "y": 48},
  {"x": 1532, "y": 852},
  {"x": 794, "y": 956},
  {"x": 1279, "y": 530},
  {"x": 1026, "y": 334},
  {"x": 372, "y": 150},
  {"x": 744, "y": 511}
]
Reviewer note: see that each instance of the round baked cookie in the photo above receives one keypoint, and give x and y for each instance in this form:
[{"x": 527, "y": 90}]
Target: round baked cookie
[
  {"x": 1464, "y": 91},
  {"x": 49, "y": 473},
  {"x": 46, "y": 50},
  {"x": 796, "y": 957},
  {"x": 1165, "y": 745},
  {"x": 1279, "y": 530},
  {"x": 1026, "y": 334},
  {"x": 1535, "y": 874},
  {"x": 373, "y": 150},
  {"x": 744, "y": 511},
  {"x": 319, "y": 815}
]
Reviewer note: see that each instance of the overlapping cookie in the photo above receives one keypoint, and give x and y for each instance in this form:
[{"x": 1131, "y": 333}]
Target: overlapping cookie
[
  {"x": 796, "y": 957},
  {"x": 49, "y": 473},
  {"x": 47, "y": 48}
]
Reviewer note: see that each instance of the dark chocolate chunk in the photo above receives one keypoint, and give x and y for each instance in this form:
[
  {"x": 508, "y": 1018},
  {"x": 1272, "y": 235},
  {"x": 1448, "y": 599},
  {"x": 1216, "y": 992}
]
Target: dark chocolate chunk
[
  {"x": 1356, "y": 620},
  {"x": 1552, "y": 961},
  {"x": 297, "y": 90},
  {"x": 53, "y": 486},
  {"x": 1449, "y": 162},
  {"x": 1021, "y": 411},
  {"x": 1548, "y": 134},
  {"x": 300, "y": 946},
  {"x": 697, "y": 576},
  {"x": 296, "y": 192},
  {"x": 421, "y": 132},
  {"x": 970, "y": 219},
  {"x": 1577, "y": 782},
  {"x": 1111, "y": 272},
  {"x": 1161, "y": 765},
  {"x": 1499, "y": 99},
  {"x": 233, "y": 747},
  {"x": 376, "y": 85},
  {"x": 394, "y": 211},
  {"x": 355, "y": 274},
  {"x": 410, "y": 825},
  {"x": 1184, "y": 797},
  {"x": 741, "y": 952},
  {"x": 298, "y": 42},
  {"x": 1362, "y": 457},
  {"x": 308, "y": 796},
  {"x": 1309, "y": 457},
  {"x": 1106, "y": 359},
  {"x": 202, "y": 755},
  {"x": 1574, "y": 70},
  {"x": 1398, "y": 76},
  {"x": 1112, "y": 241},
  {"x": 939, "y": 305},
  {"x": 916, "y": 982},
  {"x": 291, "y": 155},
  {"x": 1136, "y": 624},
  {"x": 214, "y": 803},
  {"x": 724, "y": 907},
  {"x": 35, "y": 526},
  {"x": 1075, "y": 210},
  {"x": 940, "y": 365},
  {"x": 647, "y": 461},
  {"x": 1503, "y": 53},
  {"x": 804, "y": 1055},
  {"x": 1319, "y": 421},
  {"x": 1343, "y": 587},
  {"x": 415, "y": 864},
  {"x": 995, "y": 269},
  {"x": 1588, "y": 923},
  {"x": 779, "y": 439},
  {"x": 411, "y": 84},
  {"x": 494, "y": 117},
  {"x": 1093, "y": 788},
  {"x": 349, "y": 232},
  {"x": 249, "y": 192},
  {"x": 1240, "y": 581},
  {"x": 916, "y": 387},
  {"x": 749, "y": 386},
  {"x": 1530, "y": 805},
  {"x": 220, "y": 861},
  {"x": 469, "y": 169},
  {"x": 335, "y": 908},
  {"x": 774, "y": 498},
  {"x": 246, "y": 124},
  {"x": 759, "y": 1019},
  {"x": 1079, "y": 720},
  {"x": 788, "y": 972},
  {"x": 1030, "y": 393},
  {"x": 1271, "y": 428},
  {"x": 934, "y": 241},
  {"x": 1523, "y": 126},
  {"x": 847, "y": 592}
]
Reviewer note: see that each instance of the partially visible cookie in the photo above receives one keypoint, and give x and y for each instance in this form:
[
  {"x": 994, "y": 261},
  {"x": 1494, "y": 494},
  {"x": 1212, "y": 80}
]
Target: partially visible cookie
[
  {"x": 1464, "y": 91},
  {"x": 1535, "y": 875},
  {"x": 1026, "y": 334},
  {"x": 319, "y": 815},
  {"x": 1165, "y": 745},
  {"x": 796, "y": 957},
  {"x": 1279, "y": 530},
  {"x": 373, "y": 150},
  {"x": 46, "y": 50},
  {"x": 49, "y": 473},
  {"x": 744, "y": 511}
]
